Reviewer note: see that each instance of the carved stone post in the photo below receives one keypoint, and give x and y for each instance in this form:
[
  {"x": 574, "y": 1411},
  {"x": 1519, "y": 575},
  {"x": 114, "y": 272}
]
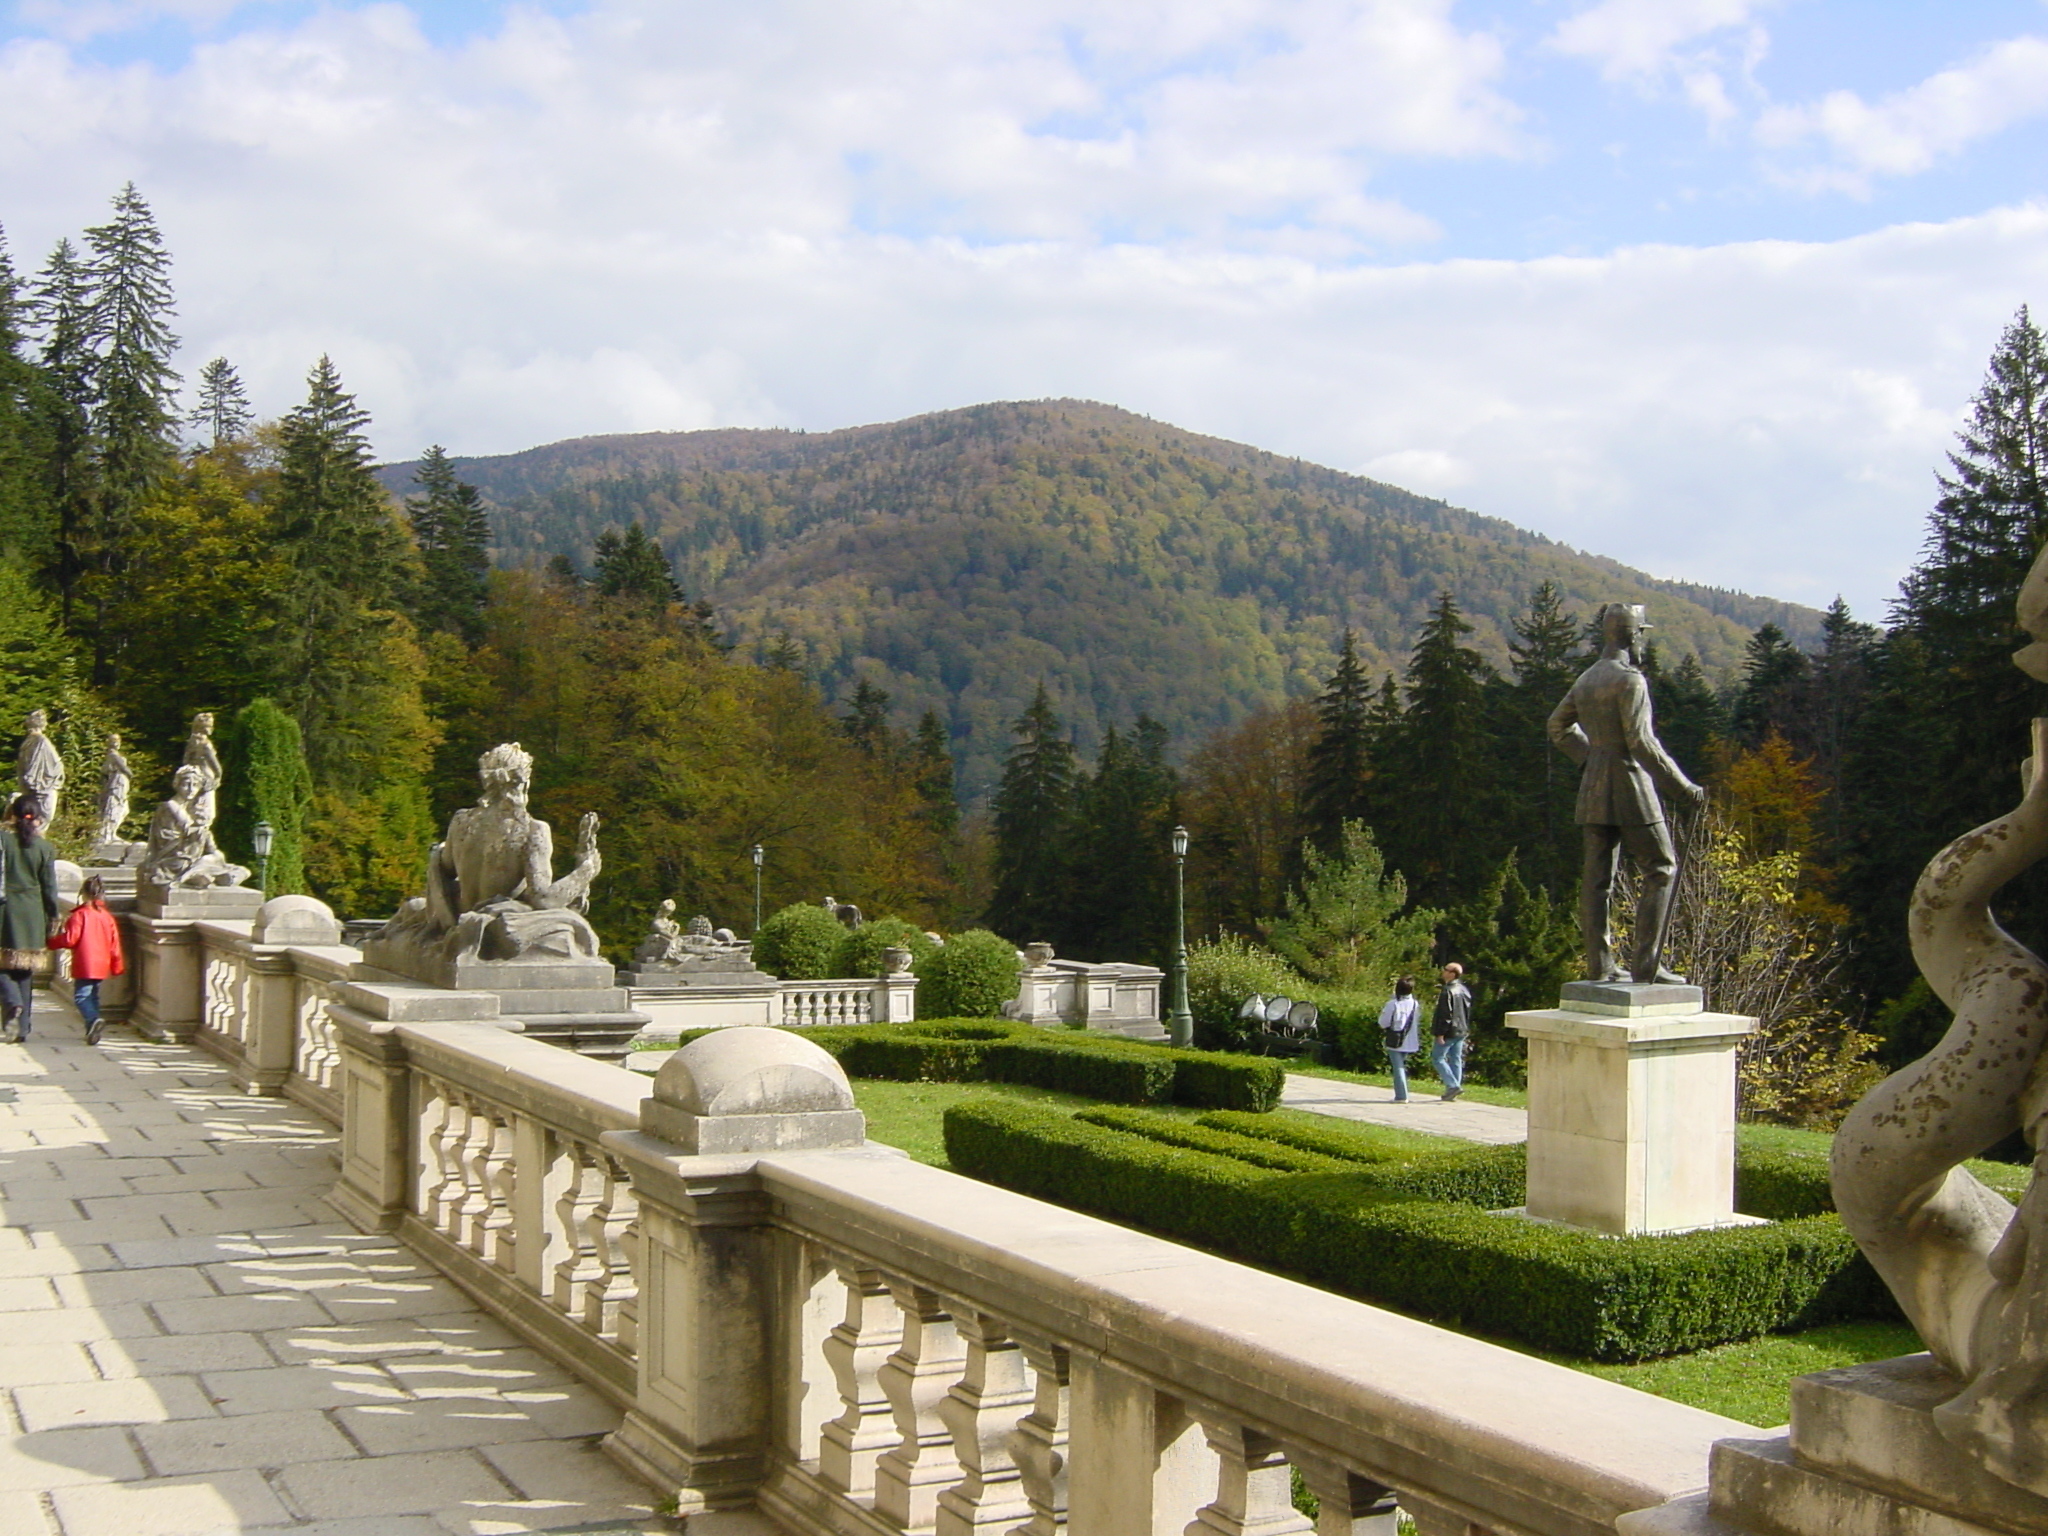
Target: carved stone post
[
  {"x": 1137, "y": 1463},
  {"x": 857, "y": 1349},
  {"x": 1348, "y": 1505},
  {"x": 376, "y": 1167},
  {"x": 910, "y": 1475},
  {"x": 700, "y": 1423},
  {"x": 982, "y": 1412},
  {"x": 1254, "y": 1487},
  {"x": 1040, "y": 1444}
]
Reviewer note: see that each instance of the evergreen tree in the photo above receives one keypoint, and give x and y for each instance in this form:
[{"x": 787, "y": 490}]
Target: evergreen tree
[
  {"x": 223, "y": 412},
  {"x": 453, "y": 533},
  {"x": 1033, "y": 805},
  {"x": 1542, "y": 783},
  {"x": 266, "y": 779},
  {"x": 24, "y": 441},
  {"x": 1838, "y": 684},
  {"x": 561, "y": 573},
  {"x": 631, "y": 564},
  {"x": 1438, "y": 802},
  {"x": 1345, "y": 926},
  {"x": 61, "y": 303},
  {"x": 134, "y": 423},
  {"x": 1689, "y": 716},
  {"x": 1339, "y": 778},
  {"x": 932, "y": 765},
  {"x": 1774, "y": 673},
  {"x": 1119, "y": 866},
  {"x": 784, "y": 654},
  {"x": 1519, "y": 945},
  {"x": 867, "y": 727}
]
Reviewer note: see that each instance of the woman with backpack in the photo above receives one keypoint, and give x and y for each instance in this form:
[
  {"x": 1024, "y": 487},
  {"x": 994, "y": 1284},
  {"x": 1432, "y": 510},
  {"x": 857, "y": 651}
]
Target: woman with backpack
[
  {"x": 1401, "y": 1029},
  {"x": 94, "y": 939}
]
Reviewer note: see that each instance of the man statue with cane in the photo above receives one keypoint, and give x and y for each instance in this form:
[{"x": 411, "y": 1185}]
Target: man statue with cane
[{"x": 1604, "y": 725}]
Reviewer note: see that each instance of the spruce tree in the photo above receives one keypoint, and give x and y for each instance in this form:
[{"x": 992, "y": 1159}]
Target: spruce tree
[
  {"x": 1689, "y": 715},
  {"x": 453, "y": 533},
  {"x": 1119, "y": 866},
  {"x": 1541, "y": 784},
  {"x": 1774, "y": 673},
  {"x": 1338, "y": 787},
  {"x": 61, "y": 305},
  {"x": 1033, "y": 805},
  {"x": 24, "y": 442},
  {"x": 867, "y": 726},
  {"x": 931, "y": 761},
  {"x": 630, "y": 564},
  {"x": 223, "y": 413}
]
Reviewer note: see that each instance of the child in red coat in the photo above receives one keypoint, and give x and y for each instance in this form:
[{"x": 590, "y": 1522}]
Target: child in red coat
[{"x": 94, "y": 939}]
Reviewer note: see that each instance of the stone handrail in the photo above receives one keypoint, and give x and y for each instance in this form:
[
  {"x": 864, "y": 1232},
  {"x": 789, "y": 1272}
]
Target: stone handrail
[
  {"x": 805, "y": 1003},
  {"x": 263, "y": 1009}
]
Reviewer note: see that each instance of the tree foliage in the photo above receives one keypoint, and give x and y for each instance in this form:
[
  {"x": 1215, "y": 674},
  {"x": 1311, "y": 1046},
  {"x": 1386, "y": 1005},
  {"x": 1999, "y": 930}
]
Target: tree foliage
[{"x": 1349, "y": 924}]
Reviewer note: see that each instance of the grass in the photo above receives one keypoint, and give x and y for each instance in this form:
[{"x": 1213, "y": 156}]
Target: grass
[
  {"x": 911, "y": 1115},
  {"x": 1419, "y": 1080},
  {"x": 2009, "y": 1179},
  {"x": 1752, "y": 1380}
]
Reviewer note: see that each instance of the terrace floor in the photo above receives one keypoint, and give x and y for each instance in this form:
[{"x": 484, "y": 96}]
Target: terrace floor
[{"x": 192, "y": 1342}]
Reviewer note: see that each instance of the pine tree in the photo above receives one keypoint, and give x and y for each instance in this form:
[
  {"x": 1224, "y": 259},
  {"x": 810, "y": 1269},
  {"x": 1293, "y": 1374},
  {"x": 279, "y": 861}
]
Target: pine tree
[
  {"x": 24, "y": 442},
  {"x": 1345, "y": 925},
  {"x": 867, "y": 727},
  {"x": 1340, "y": 763},
  {"x": 1033, "y": 805},
  {"x": 784, "y": 654},
  {"x": 931, "y": 760},
  {"x": 223, "y": 412},
  {"x": 1774, "y": 673},
  {"x": 1541, "y": 783},
  {"x": 134, "y": 424},
  {"x": 1119, "y": 866},
  {"x": 453, "y": 533},
  {"x": 1519, "y": 945},
  {"x": 1689, "y": 716},
  {"x": 60, "y": 304},
  {"x": 631, "y": 564}
]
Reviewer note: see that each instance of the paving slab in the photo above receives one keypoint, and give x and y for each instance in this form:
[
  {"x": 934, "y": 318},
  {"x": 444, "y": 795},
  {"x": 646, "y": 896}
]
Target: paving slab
[{"x": 1463, "y": 1118}]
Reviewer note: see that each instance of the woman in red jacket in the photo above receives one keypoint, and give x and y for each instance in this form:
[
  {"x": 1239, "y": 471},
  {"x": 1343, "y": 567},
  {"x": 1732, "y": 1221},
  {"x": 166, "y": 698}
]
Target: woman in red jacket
[{"x": 94, "y": 939}]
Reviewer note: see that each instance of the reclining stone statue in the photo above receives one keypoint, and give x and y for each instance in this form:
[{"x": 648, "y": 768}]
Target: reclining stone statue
[
  {"x": 1970, "y": 1271},
  {"x": 182, "y": 852},
  {"x": 492, "y": 893}
]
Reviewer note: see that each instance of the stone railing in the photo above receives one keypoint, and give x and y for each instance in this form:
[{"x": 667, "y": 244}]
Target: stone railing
[{"x": 789, "y": 1004}]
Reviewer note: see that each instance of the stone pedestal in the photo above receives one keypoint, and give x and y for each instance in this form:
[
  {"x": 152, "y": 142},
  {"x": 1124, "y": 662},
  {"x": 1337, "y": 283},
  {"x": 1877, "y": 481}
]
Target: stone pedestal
[
  {"x": 1632, "y": 1108},
  {"x": 205, "y": 903},
  {"x": 570, "y": 1003},
  {"x": 1862, "y": 1454}
]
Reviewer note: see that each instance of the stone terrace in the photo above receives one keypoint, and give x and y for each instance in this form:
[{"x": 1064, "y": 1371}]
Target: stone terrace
[{"x": 198, "y": 1344}]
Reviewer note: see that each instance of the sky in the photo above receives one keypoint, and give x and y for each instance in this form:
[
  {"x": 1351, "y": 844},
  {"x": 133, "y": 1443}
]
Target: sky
[{"x": 1704, "y": 285}]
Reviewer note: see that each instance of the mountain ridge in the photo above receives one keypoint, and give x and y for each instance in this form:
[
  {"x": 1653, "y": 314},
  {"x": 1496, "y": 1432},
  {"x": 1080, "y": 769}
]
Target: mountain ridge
[{"x": 959, "y": 557}]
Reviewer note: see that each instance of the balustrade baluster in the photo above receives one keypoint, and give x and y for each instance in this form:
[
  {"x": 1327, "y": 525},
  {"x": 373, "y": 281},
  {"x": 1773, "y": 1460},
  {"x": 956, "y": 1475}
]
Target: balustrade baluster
[
  {"x": 1348, "y": 1504},
  {"x": 1039, "y": 1442},
  {"x": 1254, "y": 1486},
  {"x": 500, "y": 1169},
  {"x": 916, "y": 1379},
  {"x": 443, "y": 1194},
  {"x": 477, "y": 1134},
  {"x": 613, "y": 1285},
  {"x": 1436, "y": 1520},
  {"x": 982, "y": 1412},
  {"x": 628, "y": 1330},
  {"x": 579, "y": 1268},
  {"x": 857, "y": 1350}
]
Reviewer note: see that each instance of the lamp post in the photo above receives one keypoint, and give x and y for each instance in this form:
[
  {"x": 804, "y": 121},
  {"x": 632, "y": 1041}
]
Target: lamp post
[
  {"x": 263, "y": 837},
  {"x": 1180, "y": 1023},
  {"x": 759, "y": 854}
]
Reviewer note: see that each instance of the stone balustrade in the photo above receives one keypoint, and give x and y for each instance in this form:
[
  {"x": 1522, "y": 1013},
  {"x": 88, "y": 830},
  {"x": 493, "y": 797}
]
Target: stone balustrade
[{"x": 801, "y": 1322}]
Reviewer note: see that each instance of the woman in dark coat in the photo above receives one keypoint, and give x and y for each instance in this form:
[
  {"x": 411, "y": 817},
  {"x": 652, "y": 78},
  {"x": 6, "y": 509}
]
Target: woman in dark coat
[{"x": 29, "y": 915}]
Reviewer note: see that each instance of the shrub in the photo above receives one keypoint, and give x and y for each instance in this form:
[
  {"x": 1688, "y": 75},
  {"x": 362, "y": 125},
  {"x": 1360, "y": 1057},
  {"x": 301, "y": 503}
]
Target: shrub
[
  {"x": 971, "y": 976},
  {"x": 1367, "y": 1233},
  {"x": 1782, "y": 1185},
  {"x": 860, "y": 949},
  {"x": 1122, "y": 1077},
  {"x": 1350, "y": 1026},
  {"x": 799, "y": 943},
  {"x": 1203, "y": 1137},
  {"x": 1224, "y": 972},
  {"x": 1209, "y": 1079}
]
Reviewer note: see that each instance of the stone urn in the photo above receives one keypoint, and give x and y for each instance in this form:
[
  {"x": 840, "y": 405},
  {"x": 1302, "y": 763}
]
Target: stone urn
[
  {"x": 1037, "y": 956},
  {"x": 895, "y": 962}
]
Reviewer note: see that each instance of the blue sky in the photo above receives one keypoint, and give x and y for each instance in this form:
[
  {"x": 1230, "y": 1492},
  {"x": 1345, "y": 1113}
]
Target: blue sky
[{"x": 1702, "y": 284}]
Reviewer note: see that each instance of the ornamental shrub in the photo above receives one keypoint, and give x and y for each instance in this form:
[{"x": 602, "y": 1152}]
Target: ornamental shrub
[
  {"x": 263, "y": 765},
  {"x": 860, "y": 949},
  {"x": 1222, "y": 973},
  {"x": 971, "y": 976},
  {"x": 799, "y": 943}
]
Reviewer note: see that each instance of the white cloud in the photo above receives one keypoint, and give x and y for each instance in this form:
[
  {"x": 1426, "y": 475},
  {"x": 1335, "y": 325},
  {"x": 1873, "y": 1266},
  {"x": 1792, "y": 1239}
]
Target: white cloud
[
  {"x": 1910, "y": 131},
  {"x": 1640, "y": 38},
  {"x": 814, "y": 214}
]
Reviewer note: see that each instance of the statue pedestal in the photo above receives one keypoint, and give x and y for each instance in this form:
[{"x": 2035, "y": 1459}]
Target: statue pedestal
[
  {"x": 1862, "y": 1454},
  {"x": 570, "y": 1003},
  {"x": 204, "y": 903},
  {"x": 1632, "y": 1108}
]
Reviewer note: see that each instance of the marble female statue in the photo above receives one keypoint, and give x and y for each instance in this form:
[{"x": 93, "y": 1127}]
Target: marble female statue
[
  {"x": 181, "y": 846},
  {"x": 200, "y": 755},
  {"x": 1969, "y": 1271},
  {"x": 116, "y": 784},
  {"x": 39, "y": 768}
]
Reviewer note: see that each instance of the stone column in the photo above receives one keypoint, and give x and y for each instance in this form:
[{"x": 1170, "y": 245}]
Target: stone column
[
  {"x": 164, "y": 956},
  {"x": 1632, "y": 1108},
  {"x": 700, "y": 1424}
]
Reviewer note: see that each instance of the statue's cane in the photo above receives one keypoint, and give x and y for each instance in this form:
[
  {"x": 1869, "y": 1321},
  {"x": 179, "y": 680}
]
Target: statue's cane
[{"x": 1691, "y": 826}]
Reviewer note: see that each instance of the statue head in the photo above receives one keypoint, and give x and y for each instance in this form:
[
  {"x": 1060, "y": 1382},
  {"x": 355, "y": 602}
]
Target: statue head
[
  {"x": 1621, "y": 623},
  {"x": 187, "y": 783},
  {"x": 507, "y": 774},
  {"x": 113, "y": 741},
  {"x": 202, "y": 723},
  {"x": 700, "y": 927},
  {"x": 668, "y": 905},
  {"x": 37, "y": 720}
]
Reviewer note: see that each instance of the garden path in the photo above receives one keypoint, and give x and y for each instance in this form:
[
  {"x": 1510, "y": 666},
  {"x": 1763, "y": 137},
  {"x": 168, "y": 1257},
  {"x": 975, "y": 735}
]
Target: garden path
[{"x": 1360, "y": 1101}]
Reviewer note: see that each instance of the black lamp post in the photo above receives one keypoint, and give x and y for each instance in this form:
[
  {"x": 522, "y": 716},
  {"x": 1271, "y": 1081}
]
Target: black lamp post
[
  {"x": 1180, "y": 1023},
  {"x": 264, "y": 836},
  {"x": 759, "y": 854}
]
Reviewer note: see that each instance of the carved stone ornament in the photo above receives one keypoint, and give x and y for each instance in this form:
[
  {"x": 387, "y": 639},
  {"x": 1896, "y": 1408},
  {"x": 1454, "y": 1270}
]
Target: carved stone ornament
[{"x": 182, "y": 852}]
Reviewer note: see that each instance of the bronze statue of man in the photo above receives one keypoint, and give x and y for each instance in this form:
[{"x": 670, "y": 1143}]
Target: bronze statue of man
[{"x": 1604, "y": 725}]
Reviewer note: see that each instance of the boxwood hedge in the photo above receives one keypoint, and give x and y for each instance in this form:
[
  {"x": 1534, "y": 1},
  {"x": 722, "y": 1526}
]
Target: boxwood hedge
[{"x": 1383, "y": 1232}]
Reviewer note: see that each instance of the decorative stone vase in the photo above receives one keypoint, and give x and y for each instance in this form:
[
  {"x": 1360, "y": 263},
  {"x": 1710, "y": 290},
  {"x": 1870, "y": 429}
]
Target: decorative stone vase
[
  {"x": 895, "y": 962},
  {"x": 1036, "y": 955}
]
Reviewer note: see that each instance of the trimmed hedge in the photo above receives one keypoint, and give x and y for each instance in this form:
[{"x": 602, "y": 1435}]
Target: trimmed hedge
[
  {"x": 1367, "y": 1232},
  {"x": 1205, "y": 1138}
]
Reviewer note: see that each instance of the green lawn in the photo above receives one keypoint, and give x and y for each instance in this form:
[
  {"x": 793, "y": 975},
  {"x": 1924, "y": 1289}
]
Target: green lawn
[
  {"x": 1419, "y": 1081},
  {"x": 1750, "y": 1381}
]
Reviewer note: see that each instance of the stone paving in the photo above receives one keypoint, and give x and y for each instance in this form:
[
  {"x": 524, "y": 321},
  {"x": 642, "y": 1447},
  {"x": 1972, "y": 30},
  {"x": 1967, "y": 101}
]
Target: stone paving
[
  {"x": 192, "y": 1342},
  {"x": 1359, "y": 1101}
]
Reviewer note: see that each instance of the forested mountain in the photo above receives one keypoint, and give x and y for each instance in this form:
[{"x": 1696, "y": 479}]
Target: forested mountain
[{"x": 958, "y": 560}]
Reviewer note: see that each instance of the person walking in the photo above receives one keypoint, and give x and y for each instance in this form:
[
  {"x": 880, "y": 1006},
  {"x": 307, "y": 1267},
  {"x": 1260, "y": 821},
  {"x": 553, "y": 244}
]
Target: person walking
[
  {"x": 28, "y": 916},
  {"x": 1451, "y": 1026},
  {"x": 1401, "y": 1030},
  {"x": 94, "y": 939}
]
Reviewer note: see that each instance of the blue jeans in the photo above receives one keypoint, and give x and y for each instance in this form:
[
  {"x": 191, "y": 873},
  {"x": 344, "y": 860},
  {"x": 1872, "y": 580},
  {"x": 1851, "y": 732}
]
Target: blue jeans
[
  {"x": 1400, "y": 1061},
  {"x": 1448, "y": 1057},
  {"x": 86, "y": 995}
]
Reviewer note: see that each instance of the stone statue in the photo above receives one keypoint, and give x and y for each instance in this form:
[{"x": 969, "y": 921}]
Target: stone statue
[
  {"x": 115, "y": 785},
  {"x": 199, "y": 754},
  {"x": 492, "y": 893},
  {"x": 664, "y": 941},
  {"x": 847, "y": 913},
  {"x": 1603, "y": 724},
  {"x": 39, "y": 769},
  {"x": 1969, "y": 1271},
  {"x": 669, "y": 947},
  {"x": 181, "y": 846}
]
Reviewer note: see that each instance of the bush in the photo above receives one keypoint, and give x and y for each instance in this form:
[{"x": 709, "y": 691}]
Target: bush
[
  {"x": 860, "y": 949},
  {"x": 1203, "y": 1137},
  {"x": 1350, "y": 1027},
  {"x": 1366, "y": 1232},
  {"x": 970, "y": 976},
  {"x": 1781, "y": 1185},
  {"x": 1121, "y": 1077},
  {"x": 1493, "y": 1178},
  {"x": 1221, "y": 975},
  {"x": 799, "y": 943}
]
